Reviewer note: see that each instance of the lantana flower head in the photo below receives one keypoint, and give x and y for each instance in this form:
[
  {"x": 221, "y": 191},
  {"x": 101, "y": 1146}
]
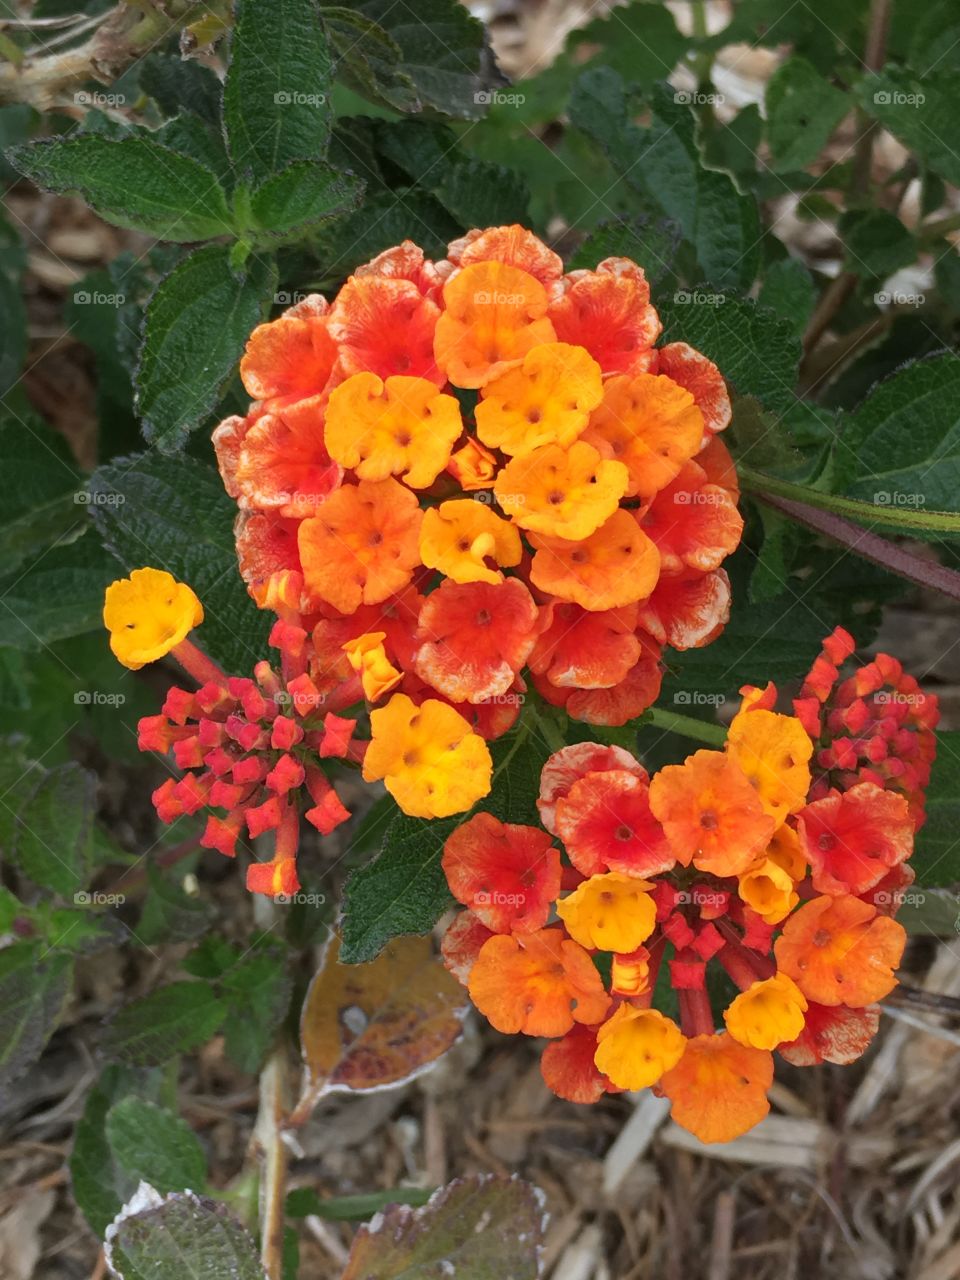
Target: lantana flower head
[
  {"x": 490, "y": 419},
  {"x": 732, "y": 863}
]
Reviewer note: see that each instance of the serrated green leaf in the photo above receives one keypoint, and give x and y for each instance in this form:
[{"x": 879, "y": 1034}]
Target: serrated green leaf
[
  {"x": 195, "y": 326},
  {"x": 876, "y": 243},
  {"x": 757, "y": 351},
  {"x": 303, "y": 195},
  {"x": 479, "y": 194},
  {"x": 42, "y": 487},
  {"x": 936, "y": 858},
  {"x": 169, "y": 913},
  {"x": 191, "y": 136},
  {"x": 133, "y": 182},
  {"x": 803, "y": 109},
  {"x": 789, "y": 290},
  {"x": 153, "y": 1242},
  {"x": 369, "y": 60},
  {"x": 58, "y": 594},
  {"x": 276, "y": 98},
  {"x": 639, "y": 41},
  {"x": 258, "y": 991},
  {"x": 152, "y": 1144},
  {"x": 651, "y": 244},
  {"x": 171, "y": 1020},
  {"x": 919, "y": 110},
  {"x": 181, "y": 84},
  {"x": 54, "y": 832},
  {"x": 34, "y": 987},
  {"x": 176, "y": 516}
]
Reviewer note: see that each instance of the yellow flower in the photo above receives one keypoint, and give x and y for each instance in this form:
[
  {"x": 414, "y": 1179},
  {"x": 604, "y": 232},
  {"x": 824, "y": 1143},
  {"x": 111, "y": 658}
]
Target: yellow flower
[
  {"x": 636, "y": 1046},
  {"x": 564, "y": 493},
  {"x": 767, "y": 1014},
  {"x": 611, "y": 912},
  {"x": 546, "y": 400},
  {"x": 367, "y": 656},
  {"x": 429, "y": 758},
  {"x": 769, "y": 890},
  {"x": 458, "y": 538},
  {"x": 787, "y": 852},
  {"x": 147, "y": 615},
  {"x": 473, "y": 465},
  {"x": 774, "y": 751},
  {"x": 630, "y": 974},
  {"x": 401, "y": 426}
]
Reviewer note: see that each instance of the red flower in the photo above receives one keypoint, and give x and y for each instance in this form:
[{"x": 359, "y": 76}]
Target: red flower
[
  {"x": 507, "y": 874},
  {"x": 695, "y": 524},
  {"x": 569, "y": 1070},
  {"x": 832, "y": 1033},
  {"x": 689, "y": 611},
  {"x": 584, "y": 650},
  {"x": 606, "y": 824},
  {"x": 569, "y": 764},
  {"x": 851, "y": 840}
]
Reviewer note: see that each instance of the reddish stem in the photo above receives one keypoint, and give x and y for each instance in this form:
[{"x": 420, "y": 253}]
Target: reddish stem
[
  {"x": 196, "y": 663},
  {"x": 696, "y": 1014}
]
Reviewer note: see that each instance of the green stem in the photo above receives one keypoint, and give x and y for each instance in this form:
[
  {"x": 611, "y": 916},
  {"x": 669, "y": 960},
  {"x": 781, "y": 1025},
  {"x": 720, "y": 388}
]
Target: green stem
[
  {"x": 866, "y": 512},
  {"x": 548, "y": 728},
  {"x": 689, "y": 726}
]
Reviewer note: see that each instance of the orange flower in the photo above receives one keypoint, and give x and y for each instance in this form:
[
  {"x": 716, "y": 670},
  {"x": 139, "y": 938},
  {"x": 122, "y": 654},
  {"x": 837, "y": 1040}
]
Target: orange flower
[
  {"x": 459, "y": 537},
  {"x": 774, "y": 752},
  {"x": 514, "y": 245},
  {"x": 719, "y": 466},
  {"x": 385, "y": 326},
  {"x": 473, "y": 466},
  {"x": 430, "y": 760},
  {"x": 702, "y": 378},
  {"x": 767, "y": 1013},
  {"x": 688, "y": 612},
  {"x": 362, "y": 545},
  {"x": 405, "y": 261},
  {"x": 583, "y": 650},
  {"x": 475, "y": 637},
  {"x": 292, "y": 355},
  {"x": 283, "y": 463},
  {"x": 711, "y": 814},
  {"x": 636, "y": 1046},
  {"x": 609, "y": 912},
  {"x": 614, "y": 566},
  {"x": 627, "y": 699},
  {"x": 650, "y": 423},
  {"x": 695, "y": 525},
  {"x": 461, "y": 944},
  {"x": 785, "y": 851},
  {"x": 719, "y": 1088},
  {"x": 266, "y": 544},
  {"x": 832, "y": 1034},
  {"x": 567, "y": 493},
  {"x": 841, "y": 951},
  {"x": 852, "y": 839},
  {"x": 538, "y": 983},
  {"x": 608, "y": 311},
  {"x": 569, "y": 764},
  {"x": 545, "y": 400},
  {"x": 367, "y": 656},
  {"x": 507, "y": 874},
  {"x": 605, "y": 823},
  {"x": 494, "y": 315},
  {"x": 403, "y": 425},
  {"x": 569, "y": 1070}
]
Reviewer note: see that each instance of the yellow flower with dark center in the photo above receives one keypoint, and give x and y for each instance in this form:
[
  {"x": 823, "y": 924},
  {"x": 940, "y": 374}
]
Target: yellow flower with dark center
[
  {"x": 611, "y": 912},
  {"x": 459, "y": 537},
  {"x": 636, "y": 1046},
  {"x": 147, "y": 615},
  {"x": 564, "y": 493},
  {"x": 769, "y": 890},
  {"x": 545, "y": 400},
  {"x": 430, "y": 760},
  {"x": 767, "y": 1014},
  {"x": 774, "y": 751}
]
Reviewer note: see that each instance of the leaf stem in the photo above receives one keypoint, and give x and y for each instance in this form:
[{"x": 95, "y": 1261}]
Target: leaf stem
[
  {"x": 764, "y": 486},
  {"x": 688, "y": 726}
]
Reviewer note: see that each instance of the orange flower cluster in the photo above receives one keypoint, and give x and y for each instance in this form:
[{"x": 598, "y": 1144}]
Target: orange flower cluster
[
  {"x": 465, "y": 472},
  {"x": 736, "y": 858}
]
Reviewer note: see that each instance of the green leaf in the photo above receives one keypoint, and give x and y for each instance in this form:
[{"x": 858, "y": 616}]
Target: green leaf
[
  {"x": 305, "y": 1202},
  {"x": 803, "y": 109},
  {"x": 901, "y": 447},
  {"x": 152, "y": 1144},
  {"x": 876, "y": 243},
  {"x": 258, "y": 991},
  {"x": 169, "y": 913},
  {"x": 53, "y": 844},
  {"x": 276, "y": 98},
  {"x": 176, "y": 516},
  {"x": 34, "y": 988},
  {"x": 443, "y": 52},
  {"x": 403, "y": 890},
  {"x": 13, "y": 333},
  {"x": 639, "y": 41},
  {"x": 59, "y": 594},
  {"x": 305, "y": 194},
  {"x": 369, "y": 60},
  {"x": 133, "y": 182},
  {"x": 756, "y": 349},
  {"x": 99, "y": 1186},
  {"x": 155, "y": 1238},
  {"x": 479, "y": 194},
  {"x": 789, "y": 290},
  {"x": 196, "y": 323},
  {"x": 919, "y": 110},
  {"x": 651, "y": 244},
  {"x": 171, "y": 1020},
  {"x": 936, "y": 858},
  {"x": 42, "y": 488},
  {"x": 664, "y": 163},
  {"x": 483, "y": 1226},
  {"x": 181, "y": 84}
]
